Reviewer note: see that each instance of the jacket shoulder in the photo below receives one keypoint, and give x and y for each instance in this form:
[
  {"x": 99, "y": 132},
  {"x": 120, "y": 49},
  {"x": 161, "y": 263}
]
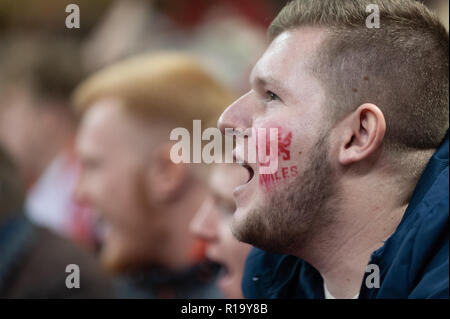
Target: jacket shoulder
[
  {"x": 269, "y": 275},
  {"x": 42, "y": 272}
]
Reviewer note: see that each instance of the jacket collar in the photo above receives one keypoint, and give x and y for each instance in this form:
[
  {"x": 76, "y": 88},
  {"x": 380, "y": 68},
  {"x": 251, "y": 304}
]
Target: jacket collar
[{"x": 437, "y": 163}]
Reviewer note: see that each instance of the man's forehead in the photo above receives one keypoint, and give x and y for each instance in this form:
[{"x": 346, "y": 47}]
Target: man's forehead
[
  {"x": 103, "y": 126},
  {"x": 102, "y": 111},
  {"x": 286, "y": 54}
]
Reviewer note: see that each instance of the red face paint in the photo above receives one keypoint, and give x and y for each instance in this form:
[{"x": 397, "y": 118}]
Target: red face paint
[
  {"x": 285, "y": 173},
  {"x": 284, "y": 142}
]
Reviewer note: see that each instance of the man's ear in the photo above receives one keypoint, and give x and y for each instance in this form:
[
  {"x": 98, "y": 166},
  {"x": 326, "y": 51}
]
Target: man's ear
[
  {"x": 165, "y": 179},
  {"x": 363, "y": 133}
]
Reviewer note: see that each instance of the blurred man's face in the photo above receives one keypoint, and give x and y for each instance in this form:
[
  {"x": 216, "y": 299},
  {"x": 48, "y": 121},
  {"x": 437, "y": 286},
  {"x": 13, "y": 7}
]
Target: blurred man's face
[
  {"x": 109, "y": 146},
  {"x": 212, "y": 223},
  {"x": 276, "y": 212},
  {"x": 24, "y": 130}
]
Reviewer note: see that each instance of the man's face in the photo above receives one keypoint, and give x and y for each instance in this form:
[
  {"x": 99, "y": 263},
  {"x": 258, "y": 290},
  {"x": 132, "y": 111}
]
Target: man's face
[
  {"x": 23, "y": 130},
  {"x": 212, "y": 223},
  {"x": 111, "y": 182},
  {"x": 275, "y": 211}
]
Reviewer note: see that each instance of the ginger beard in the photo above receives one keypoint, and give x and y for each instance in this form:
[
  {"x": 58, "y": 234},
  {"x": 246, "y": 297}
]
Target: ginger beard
[
  {"x": 114, "y": 254},
  {"x": 292, "y": 212},
  {"x": 128, "y": 249}
]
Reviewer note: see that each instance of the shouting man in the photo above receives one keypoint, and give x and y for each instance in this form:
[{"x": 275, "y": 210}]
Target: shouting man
[{"x": 359, "y": 204}]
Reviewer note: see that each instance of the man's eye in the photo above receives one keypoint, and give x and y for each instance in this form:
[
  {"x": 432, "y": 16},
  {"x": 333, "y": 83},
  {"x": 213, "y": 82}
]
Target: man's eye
[{"x": 271, "y": 96}]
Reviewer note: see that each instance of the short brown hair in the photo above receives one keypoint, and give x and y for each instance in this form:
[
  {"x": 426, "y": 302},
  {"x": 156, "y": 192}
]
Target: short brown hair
[
  {"x": 167, "y": 85},
  {"x": 402, "y": 67}
]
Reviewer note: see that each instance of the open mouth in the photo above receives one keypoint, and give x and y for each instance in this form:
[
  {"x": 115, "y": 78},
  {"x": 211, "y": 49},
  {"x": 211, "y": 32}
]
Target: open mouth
[
  {"x": 224, "y": 269},
  {"x": 250, "y": 171},
  {"x": 246, "y": 183},
  {"x": 225, "y": 275}
]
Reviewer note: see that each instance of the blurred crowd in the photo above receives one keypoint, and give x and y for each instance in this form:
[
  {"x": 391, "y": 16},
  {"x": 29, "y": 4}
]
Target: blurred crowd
[{"x": 85, "y": 172}]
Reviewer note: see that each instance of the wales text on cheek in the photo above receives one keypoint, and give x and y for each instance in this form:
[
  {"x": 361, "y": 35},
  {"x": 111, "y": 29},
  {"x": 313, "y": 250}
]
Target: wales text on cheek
[
  {"x": 284, "y": 154},
  {"x": 284, "y": 142},
  {"x": 284, "y": 173}
]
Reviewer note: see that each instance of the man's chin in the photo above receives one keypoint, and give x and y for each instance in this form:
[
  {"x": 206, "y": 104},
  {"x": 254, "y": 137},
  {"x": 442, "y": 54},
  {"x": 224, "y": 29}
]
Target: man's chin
[
  {"x": 245, "y": 211},
  {"x": 246, "y": 227},
  {"x": 255, "y": 227},
  {"x": 113, "y": 261},
  {"x": 238, "y": 223}
]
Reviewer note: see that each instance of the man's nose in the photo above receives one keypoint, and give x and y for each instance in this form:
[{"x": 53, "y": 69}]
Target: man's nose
[
  {"x": 204, "y": 223},
  {"x": 238, "y": 115}
]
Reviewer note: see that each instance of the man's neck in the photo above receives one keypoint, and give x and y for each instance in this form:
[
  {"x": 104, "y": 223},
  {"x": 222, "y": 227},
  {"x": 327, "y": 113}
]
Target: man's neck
[
  {"x": 367, "y": 217},
  {"x": 180, "y": 242}
]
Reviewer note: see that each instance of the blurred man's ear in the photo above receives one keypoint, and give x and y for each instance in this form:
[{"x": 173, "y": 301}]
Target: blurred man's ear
[
  {"x": 165, "y": 179},
  {"x": 362, "y": 134}
]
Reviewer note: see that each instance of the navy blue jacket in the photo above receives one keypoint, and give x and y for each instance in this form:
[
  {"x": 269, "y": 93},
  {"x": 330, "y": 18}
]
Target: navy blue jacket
[{"x": 413, "y": 262}]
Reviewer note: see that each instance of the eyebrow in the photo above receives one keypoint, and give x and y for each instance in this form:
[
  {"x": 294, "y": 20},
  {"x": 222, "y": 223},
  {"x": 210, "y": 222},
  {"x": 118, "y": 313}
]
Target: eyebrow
[{"x": 264, "y": 81}]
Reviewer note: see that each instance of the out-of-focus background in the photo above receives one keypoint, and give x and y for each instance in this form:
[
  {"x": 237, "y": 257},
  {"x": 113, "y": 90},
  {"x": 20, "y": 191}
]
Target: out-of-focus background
[{"x": 227, "y": 36}]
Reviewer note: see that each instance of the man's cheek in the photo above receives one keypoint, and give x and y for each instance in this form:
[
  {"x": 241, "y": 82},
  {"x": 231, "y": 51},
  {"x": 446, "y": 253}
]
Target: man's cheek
[
  {"x": 284, "y": 170},
  {"x": 273, "y": 140},
  {"x": 284, "y": 173}
]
